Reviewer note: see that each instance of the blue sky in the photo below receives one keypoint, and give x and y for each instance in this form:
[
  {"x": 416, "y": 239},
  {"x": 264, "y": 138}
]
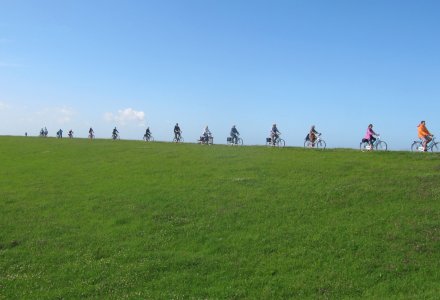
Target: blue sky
[{"x": 339, "y": 65}]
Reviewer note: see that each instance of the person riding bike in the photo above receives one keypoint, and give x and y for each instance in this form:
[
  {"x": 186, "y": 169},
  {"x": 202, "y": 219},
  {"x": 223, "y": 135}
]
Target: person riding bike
[
  {"x": 115, "y": 133},
  {"x": 312, "y": 135},
  {"x": 424, "y": 134},
  {"x": 234, "y": 134},
  {"x": 70, "y": 134},
  {"x": 274, "y": 134},
  {"x": 205, "y": 135},
  {"x": 91, "y": 133},
  {"x": 177, "y": 132},
  {"x": 60, "y": 133},
  {"x": 369, "y": 135},
  {"x": 147, "y": 133}
]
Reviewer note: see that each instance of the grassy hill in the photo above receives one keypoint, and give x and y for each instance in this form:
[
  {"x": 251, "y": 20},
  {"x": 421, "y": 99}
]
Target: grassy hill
[{"x": 128, "y": 219}]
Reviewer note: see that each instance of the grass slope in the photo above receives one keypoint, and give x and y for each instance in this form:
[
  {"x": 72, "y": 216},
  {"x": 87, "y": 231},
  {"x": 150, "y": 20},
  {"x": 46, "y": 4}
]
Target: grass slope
[{"x": 127, "y": 219}]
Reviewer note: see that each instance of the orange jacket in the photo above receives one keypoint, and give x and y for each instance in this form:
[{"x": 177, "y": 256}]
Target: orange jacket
[{"x": 423, "y": 131}]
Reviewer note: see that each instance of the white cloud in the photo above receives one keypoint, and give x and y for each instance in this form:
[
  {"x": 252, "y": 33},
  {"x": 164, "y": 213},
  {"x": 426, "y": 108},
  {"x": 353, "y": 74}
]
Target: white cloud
[{"x": 125, "y": 116}]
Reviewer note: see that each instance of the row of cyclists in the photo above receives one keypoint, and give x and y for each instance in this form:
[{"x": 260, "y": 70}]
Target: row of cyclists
[{"x": 207, "y": 138}]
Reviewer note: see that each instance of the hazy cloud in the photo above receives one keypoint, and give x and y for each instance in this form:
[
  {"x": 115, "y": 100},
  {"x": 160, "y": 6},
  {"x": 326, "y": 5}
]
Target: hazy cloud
[
  {"x": 61, "y": 115},
  {"x": 9, "y": 65},
  {"x": 65, "y": 115},
  {"x": 125, "y": 116},
  {"x": 4, "y": 106}
]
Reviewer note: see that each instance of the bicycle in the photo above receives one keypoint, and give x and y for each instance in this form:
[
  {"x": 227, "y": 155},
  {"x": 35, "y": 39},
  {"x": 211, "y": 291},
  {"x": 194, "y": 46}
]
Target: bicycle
[
  {"x": 148, "y": 138},
  {"x": 178, "y": 138},
  {"x": 206, "y": 141},
  {"x": 91, "y": 136},
  {"x": 70, "y": 135},
  {"x": 318, "y": 144},
  {"x": 378, "y": 145},
  {"x": 238, "y": 141},
  {"x": 432, "y": 145},
  {"x": 279, "y": 142},
  {"x": 116, "y": 136}
]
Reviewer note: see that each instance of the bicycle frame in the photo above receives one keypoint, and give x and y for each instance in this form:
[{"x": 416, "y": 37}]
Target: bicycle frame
[
  {"x": 373, "y": 145},
  {"x": 428, "y": 145}
]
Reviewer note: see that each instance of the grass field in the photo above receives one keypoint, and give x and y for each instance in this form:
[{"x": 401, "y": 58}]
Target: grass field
[{"x": 127, "y": 219}]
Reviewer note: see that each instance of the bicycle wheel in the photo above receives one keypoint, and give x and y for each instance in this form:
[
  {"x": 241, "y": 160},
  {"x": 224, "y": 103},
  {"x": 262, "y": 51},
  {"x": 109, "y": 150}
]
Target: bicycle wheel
[
  {"x": 281, "y": 143},
  {"x": 435, "y": 147},
  {"x": 381, "y": 146},
  {"x": 240, "y": 141},
  {"x": 268, "y": 142},
  {"x": 321, "y": 145},
  {"x": 363, "y": 146},
  {"x": 210, "y": 140},
  {"x": 307, "y": 144},
  {"x": 415, "y": 146}
]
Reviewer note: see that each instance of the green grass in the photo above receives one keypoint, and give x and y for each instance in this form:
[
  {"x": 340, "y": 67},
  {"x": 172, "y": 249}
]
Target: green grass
[{"x": 127, "y": 219}]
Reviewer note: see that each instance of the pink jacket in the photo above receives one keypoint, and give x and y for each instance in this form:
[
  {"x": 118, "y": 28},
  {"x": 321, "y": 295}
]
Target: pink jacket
[{"x": 370, "y": 133}]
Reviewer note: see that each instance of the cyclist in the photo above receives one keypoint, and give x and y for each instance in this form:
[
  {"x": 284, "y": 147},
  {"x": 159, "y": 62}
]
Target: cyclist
[
  {"x": 177, "y": 132},
  {"x": 205, "y": 135},
  {"x": 60, "y": 133},
  {"x": 274, "y": 133},
  {"x": 234, "y": 134},
  {"x": 369, "y": 136},
  {"x": 424, "y": 134},
  {"x": 147, "y": 133},
  {"x": 45, "y": 131},
  {"x": 312, "y": 135},
  {"x": 70, "y": 133},
  {"x": 115, "y": 133},
  {"x": 91, "y": 133}
]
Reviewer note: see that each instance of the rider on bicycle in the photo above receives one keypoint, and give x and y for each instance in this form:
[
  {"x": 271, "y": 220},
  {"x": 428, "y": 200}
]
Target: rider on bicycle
[
  {"x": 91, "y": 132},
  {"x": 70, "y": 133},
  {"x": 115, "y": 132},
  {"x": 274, "y": 133},
  {"x": 234, "y": 134},
  {"x": 369, "y": 136},
  {"x": 205, "y": 135},
  {"x": 147, "y": 133},
  {"x": 177, "y": 132},
  {"x": 312, "y": 135},
  {"x": 424, "y": 134}
]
